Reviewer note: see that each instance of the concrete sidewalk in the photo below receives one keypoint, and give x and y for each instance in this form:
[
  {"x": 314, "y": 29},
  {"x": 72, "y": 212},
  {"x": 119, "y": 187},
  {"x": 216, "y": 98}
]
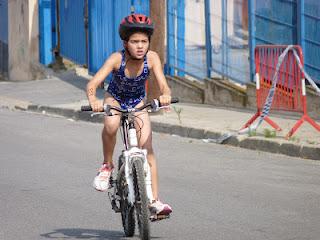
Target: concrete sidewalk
[{"x": 64, "y": 93}]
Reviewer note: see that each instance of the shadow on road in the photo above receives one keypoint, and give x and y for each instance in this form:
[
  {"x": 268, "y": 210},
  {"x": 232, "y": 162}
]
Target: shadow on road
[{"x": 79, "y": 233}]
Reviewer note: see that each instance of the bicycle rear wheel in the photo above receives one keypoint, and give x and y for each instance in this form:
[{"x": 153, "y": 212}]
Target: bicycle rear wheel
[
  {"x": 141, "y": 199},
  {"x": 127, "y": 210}
]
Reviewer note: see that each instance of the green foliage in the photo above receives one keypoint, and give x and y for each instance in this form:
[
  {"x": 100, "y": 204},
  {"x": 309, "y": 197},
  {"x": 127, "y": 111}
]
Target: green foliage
[
  {"x": 252, "y": 132},
  {"x": 311, "y": 142},
  {"x": 178, "y": 112},
  {"x": 294, "y": 139},
  {"x": 269, "y": 133}
]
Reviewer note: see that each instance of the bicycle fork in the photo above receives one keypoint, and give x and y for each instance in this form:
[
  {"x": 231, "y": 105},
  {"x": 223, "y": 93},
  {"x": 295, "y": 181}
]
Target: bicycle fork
[
  {"x": 128, "y": 156},
  {"x": 142, "y": 154}
]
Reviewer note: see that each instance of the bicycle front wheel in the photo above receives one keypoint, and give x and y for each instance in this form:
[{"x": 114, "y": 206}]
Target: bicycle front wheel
[{"x": 141, "y": 199}]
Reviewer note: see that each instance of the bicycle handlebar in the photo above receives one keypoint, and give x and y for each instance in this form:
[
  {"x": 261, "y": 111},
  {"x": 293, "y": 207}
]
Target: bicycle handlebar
[{"x": 154, "y": 104}]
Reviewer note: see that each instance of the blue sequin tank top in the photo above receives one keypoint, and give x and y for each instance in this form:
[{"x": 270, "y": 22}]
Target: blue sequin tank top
[{"x": 128, "y": 91}]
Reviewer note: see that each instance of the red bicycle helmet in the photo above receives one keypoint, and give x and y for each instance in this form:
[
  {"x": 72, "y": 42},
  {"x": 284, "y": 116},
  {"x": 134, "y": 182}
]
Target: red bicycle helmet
[{"x": 135, "y": 23}]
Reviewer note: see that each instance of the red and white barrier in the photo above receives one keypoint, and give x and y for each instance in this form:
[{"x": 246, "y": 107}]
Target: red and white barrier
[{"x": 290, "y": 89}]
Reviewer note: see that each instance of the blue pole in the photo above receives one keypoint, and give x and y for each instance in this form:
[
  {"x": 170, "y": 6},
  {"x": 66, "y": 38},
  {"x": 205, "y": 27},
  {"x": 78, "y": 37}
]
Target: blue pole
[
  {"x": 181, "y": 37},
  {"x": 45, "y": 31},
  {"x": 170, "y": 37},
  {"x": 54, "y": 23},
  {"x": 208, "y": 37},
  {"x": 252, "y": 41},
  {"x": 224, "y": 37},
  {"x": 227, "y": 41},
  {"x": 301, "y": 25},
  {"x": 115, "y": 26}
]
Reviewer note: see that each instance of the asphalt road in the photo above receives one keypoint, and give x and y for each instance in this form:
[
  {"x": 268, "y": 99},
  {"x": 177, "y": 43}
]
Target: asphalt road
[{"x": 217, "y": 192}]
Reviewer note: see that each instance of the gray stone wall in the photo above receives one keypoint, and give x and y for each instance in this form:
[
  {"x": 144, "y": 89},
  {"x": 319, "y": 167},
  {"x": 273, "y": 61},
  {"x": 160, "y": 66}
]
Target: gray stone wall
[
  {"x": 220, "y": 92},
  {"x": 224, "y": 93},
  {"x": 186, "y": 90},
  {"x": 313, "y": 103}
]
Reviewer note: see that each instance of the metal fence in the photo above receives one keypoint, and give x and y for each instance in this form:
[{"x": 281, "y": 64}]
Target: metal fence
[
  {"x": 310, "y": 36},
  {"x": 207, "y": 39},
  {"x": 216, "y": 38},
  {"x": 228, "y": 33}
]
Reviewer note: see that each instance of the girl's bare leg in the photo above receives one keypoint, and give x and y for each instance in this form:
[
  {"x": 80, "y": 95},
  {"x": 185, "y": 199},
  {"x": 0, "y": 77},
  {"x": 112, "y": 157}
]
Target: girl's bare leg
[
  {"x": 143, "y": 126},
  {"x": 109, "y": 132}
]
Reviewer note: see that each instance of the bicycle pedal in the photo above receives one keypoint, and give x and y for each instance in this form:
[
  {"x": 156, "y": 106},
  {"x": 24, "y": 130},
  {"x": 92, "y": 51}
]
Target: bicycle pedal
[
  {"x": 113, "y": 202},
  {"x": 112, "y": 182},
  {"x": 115, "y": 208},
  {"x": 154, "y": 218}
]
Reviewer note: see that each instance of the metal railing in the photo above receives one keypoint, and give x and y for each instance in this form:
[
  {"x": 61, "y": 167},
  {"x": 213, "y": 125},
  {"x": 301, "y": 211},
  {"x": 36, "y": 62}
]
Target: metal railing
[{"x": 216, "y": 38}]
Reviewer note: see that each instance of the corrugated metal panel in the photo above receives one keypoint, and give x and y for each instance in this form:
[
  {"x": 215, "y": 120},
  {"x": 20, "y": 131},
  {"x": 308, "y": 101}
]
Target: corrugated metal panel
[
  {"x": 101, "y": 32},
  {"x": 104, "y": 19},
  {"x": 275, "y": 22},
  {"x": 72, "y": 30},
  {"x": 121, "y": 9},
  {"x": 141, "y": 6},
  {"x": 3, "y": 37},
  {"x": 312, "y": 38},
  {"x": 272, "y": 22}
]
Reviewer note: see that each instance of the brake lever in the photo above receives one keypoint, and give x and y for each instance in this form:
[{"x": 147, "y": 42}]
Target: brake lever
[
  {"x": 154, "y": 106},
  {"x": 156, "y": 109}
]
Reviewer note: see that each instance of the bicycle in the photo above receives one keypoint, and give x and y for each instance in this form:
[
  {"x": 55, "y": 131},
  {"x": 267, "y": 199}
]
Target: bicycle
[{"x": 132, "y": 190}]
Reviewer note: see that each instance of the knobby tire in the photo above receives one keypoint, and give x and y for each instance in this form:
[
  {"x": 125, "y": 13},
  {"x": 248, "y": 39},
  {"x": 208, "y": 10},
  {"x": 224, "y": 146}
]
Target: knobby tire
[
  {"x": 141, "y": 199},
  {"x": 127, "y": 210}
]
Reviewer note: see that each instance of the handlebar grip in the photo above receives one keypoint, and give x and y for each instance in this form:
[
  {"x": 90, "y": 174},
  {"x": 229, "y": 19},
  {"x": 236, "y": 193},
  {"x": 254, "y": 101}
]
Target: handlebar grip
[
  {"x": 86, "y": 108},
  {"x": 174, "y": 100}
]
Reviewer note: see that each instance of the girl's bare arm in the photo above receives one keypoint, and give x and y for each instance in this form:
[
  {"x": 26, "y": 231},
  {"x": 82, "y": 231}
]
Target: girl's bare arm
[
  {"x": 110, "y": 64},
  {"x": 165, "y": 97}
]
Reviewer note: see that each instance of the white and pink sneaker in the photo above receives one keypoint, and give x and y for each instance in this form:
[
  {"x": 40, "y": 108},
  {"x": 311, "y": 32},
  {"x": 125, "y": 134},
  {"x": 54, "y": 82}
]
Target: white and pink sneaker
[
  {"x": 101, "y": 181},
  {"x": 159, "y": 208}
]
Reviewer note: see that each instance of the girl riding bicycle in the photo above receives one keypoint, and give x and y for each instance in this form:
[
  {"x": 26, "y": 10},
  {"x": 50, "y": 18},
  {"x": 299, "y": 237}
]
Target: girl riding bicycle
[{"x": 130, "y": 69}]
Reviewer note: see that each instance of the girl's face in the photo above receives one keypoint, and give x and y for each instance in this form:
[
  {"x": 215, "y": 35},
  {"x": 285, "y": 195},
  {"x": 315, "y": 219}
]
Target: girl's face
[{"x": 138, "y": 45}]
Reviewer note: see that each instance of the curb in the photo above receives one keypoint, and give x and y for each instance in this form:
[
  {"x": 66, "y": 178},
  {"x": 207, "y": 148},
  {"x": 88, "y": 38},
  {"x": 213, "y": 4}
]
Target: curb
[{"x": 253, "y": 143}]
